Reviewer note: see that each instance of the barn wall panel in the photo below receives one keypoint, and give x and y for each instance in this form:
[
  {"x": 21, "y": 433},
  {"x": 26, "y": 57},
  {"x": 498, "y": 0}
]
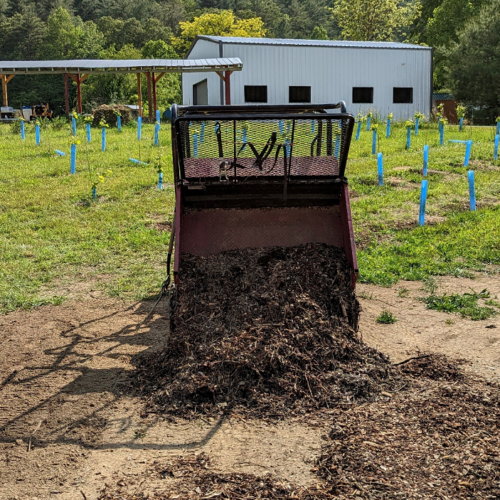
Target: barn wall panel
[{"x": 331, "y": 72}]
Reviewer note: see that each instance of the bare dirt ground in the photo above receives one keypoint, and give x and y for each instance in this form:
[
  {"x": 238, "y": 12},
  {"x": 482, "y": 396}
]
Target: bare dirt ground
[
  {"x": 69, "y": 424},
  {"x": 424, "y": 330}
]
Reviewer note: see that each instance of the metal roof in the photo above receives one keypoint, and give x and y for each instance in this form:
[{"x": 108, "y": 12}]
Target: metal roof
[
  {"x": 120, "y": 66},
  {"x": 310, "y": 43}
]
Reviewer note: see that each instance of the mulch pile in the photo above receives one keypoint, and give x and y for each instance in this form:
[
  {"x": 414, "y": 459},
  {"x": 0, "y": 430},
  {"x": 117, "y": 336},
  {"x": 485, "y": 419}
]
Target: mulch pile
[
  {"x": 271, "y": 332},
  {"x": 439, "y": 440}
]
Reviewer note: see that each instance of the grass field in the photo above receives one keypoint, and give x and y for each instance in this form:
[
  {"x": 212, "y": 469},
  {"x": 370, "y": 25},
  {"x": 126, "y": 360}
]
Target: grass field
[{"x": 52, "y": 234}]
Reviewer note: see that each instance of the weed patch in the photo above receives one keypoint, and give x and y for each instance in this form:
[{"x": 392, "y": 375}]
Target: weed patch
[
  {"x": 386, "y": 318},
  {"x": 467, "y": 304}
]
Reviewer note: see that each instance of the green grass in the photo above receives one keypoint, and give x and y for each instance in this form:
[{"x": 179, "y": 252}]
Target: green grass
[
  {"x": 54, "y": 237},
  {"x": 386, "y": 318},
  {"x": 53, "y": 234},
  {"x": 454, "y": 241},
  {"x": 467, "y": 304}
]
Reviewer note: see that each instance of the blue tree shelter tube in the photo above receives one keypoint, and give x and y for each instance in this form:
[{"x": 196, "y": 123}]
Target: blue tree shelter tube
[{"x": 423, "y": 199}]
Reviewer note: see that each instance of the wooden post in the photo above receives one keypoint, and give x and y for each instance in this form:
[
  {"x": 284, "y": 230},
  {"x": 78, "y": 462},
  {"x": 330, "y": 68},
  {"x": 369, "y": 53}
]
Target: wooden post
[
  {"x": 79, "y": 93},
  {"x": 139, "y": 94},
  {"x": 150, "y": 100},
  {"x": 227, "y": 85},
  {"x": 4, "y": 91},
  {"x": 153, "y": 83},
  {"x": 66, "y": 93},
  {"x": 5, "y": 80},
  {"x": 78, "y": 79}
]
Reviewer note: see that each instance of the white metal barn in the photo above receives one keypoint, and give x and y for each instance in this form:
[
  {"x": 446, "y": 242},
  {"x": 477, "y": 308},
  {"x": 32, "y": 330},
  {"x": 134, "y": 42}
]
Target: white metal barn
[{"x": 381, "y": 77}]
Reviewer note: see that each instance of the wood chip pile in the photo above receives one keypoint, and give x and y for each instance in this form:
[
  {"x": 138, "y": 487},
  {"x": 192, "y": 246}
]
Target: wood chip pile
[
  {"x": 269, "y": 332},
  {"x": 192, "y": 477},
  {"x": 272, "y": 334},
  {"x": 433, "y": 439},
  {"x": 437, "y": 438}
]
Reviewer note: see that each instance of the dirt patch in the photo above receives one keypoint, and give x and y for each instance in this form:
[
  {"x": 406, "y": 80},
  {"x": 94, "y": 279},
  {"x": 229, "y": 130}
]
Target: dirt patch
[
  {"x": 61, "y": 371},
  {"x": 422, "y": 330},
  {"x": 482, "y": 165},
  {"x": 399, "y": 183},
  {"x": 163, "y": 226}
]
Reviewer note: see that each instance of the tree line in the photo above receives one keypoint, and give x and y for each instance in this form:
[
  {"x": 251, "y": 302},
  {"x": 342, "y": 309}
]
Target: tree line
[{"x": 465, "y": 34}]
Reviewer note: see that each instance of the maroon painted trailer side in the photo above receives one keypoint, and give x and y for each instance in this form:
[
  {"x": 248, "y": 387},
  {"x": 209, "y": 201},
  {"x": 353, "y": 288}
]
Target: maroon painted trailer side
[{"x": 261, "y": 176}]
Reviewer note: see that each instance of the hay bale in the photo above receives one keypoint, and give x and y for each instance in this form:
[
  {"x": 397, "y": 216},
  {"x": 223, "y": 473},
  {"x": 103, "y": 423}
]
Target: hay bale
[{"x": 108, "y": 113}]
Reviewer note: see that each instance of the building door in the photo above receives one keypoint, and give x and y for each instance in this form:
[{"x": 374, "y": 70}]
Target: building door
[{"x": 200, "y": 93}]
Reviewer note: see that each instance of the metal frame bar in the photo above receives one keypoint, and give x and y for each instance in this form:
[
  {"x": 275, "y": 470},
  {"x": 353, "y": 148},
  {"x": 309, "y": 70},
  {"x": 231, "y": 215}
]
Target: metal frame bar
[
  {"x": 87, "y": 66},
  {"x": 230, "y": 115},
  {"x": 348, "y": 232},
  {"x": 261, "y": 108}
]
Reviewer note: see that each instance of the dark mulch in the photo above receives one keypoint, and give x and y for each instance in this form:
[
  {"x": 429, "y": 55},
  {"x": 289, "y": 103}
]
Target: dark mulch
[
  {"x": 433, "y": 366},
  {"x": 190, "y": 478},
  {"x": 441, "y": 440},
  {"x": 271, "y": 332}
]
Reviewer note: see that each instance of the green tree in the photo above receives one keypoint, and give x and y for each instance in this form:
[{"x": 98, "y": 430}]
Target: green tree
[
  {"x": 419, "y": 28},
  {"x": 299, "y": 23},
  {"x": 319, "y": 33},
  {"x": 158, "y": 49},
  {"x": 222, "y": 23},
  {"x": 283, "y": 28},
  {"x": 111, "y": 88},
  {"x": 21, "y": 36},
  {"x": 270, "y": 13},
  {"x": 119, "y": 33},
  {"x": 168, "y": 89},
  {"x": 449, "y": 19},
  {"x": 126, "y": 9},
  {"x": 474, "y": 61},
  {"x": 68, "y": 38},
  {"x": 374, "y": 20},
  {"x": 47, "y": 7}
]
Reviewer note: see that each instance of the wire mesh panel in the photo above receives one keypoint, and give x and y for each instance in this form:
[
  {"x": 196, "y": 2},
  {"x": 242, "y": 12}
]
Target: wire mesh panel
[{"x": 221, "y": 149}]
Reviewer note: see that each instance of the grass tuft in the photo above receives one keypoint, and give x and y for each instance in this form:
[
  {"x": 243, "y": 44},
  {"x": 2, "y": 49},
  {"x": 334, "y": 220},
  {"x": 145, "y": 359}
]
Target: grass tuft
[{"x": 386, "y": 318}]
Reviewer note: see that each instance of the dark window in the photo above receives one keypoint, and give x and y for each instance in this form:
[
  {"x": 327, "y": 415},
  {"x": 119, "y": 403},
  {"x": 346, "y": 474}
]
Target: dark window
[
  {"x": 299, "y": 94},
  {"x": 363, "y": 95},
  {"x": 255, "y": 93},
  {"x": 402, "y": 95}
]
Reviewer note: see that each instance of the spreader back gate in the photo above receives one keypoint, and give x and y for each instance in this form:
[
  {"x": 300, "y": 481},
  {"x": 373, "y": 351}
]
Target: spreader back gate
[{"x": 261, "y": 176}]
